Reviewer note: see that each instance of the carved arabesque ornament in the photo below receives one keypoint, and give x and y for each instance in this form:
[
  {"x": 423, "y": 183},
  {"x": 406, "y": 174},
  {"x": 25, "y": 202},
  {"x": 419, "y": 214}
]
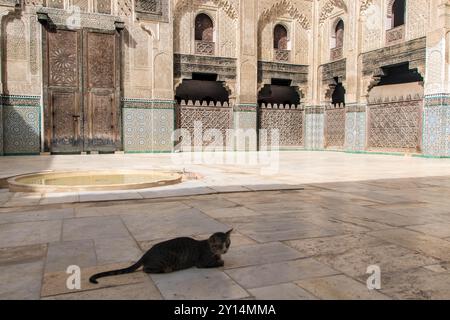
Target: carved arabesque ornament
[
  {"x": 183, "y": 5},
  {"x": 279, "y": 9},
  {"x": 365, "y": 4},
  {"x": 328, "y": 8}
]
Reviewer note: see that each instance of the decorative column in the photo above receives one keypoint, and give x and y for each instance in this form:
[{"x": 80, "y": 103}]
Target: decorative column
[
  {"x": 148, "y": 107},
  {"x": 245, "y": 109},
  {"x": 315, "y": 113},
  {"x": 436, "y": 114},
  {"x": 356, "y": 106},
  {"x": 6, "y": 6}
]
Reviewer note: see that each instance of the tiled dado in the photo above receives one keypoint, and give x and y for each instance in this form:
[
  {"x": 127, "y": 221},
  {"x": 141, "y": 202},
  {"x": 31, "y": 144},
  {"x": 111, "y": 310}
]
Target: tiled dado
[
  {"x": 245, "y": 118},
  {"x": 436, "y": 125},
  {"x": 148, "y": 125},
  {"x": 355, "y": 128},
  {"x": 314, "y": 127},
  {"x": 20, "y": 124}
]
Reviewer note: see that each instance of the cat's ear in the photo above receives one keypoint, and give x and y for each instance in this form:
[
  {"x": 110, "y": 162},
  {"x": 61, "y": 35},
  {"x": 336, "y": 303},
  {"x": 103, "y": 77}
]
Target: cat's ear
[{"x": 229, "y": 232}]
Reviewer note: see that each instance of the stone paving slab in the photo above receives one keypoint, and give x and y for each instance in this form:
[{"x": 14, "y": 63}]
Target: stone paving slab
[
  {"x": 29, "y": 233},
  {"x": 119, "y": 209},
  {"x": 61, "y": 255},
  {"x": 196, "y": 284},
  {"x": 384, "y": 218},
  {"x": 146, "y": 227},
  {"x": 145, "y": 290},
  {"x": 284, "y": 291},
  {"x": 230, "y": 212},
  {"x": 439, "y": 230},
  {"x": 279, "y": 207},
  {"x": 93, "y": 228},
  {"x": 41, "y": 215},
  {"x": 54, "y": 283},
  {"x": 431, "y": 246},
  {"x": 20, "y": 255},
  {"x": 20, "y": 199},
  {"x": 211, "y": 203},
  {"x": 330, "y": 288},
  {"x": 21, "y": 281},
  {"x": 333, "y": 245},
  {"x": 390, "y": 258},
  {"x": 280, "y": 272},
  {"x": 116, "y": 250},
  {"x": 258, "y": 254},
  {"x": 417, "y": 284},
  {"x": 278, "y": 228}
]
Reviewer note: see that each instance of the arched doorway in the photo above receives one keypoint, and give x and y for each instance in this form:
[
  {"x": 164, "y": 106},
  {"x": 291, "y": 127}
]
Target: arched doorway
[
  {"x": 279, "y": 109},
  {"x": 203, "y": 105},
  {"x": 395, "y": 110}
]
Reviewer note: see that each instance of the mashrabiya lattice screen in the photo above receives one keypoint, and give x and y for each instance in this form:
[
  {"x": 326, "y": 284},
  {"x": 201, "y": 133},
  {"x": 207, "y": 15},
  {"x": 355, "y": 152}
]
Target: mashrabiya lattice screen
[
  {"x": 288, "y": 119},
  {"x": 395, "y": 124},
  {"x": 216, "y": 116}
]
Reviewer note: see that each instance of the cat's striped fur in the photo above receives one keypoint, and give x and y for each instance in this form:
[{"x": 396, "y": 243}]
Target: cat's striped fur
[{"x": 179, "y": 254}]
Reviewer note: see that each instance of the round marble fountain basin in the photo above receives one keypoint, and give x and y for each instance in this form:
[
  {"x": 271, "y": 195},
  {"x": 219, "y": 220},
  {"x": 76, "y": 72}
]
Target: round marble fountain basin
[{"x": 68, "y": 181}]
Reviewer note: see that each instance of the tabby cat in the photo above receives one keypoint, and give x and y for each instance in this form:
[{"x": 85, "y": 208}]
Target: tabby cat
[{"x": 179, "y": 254}]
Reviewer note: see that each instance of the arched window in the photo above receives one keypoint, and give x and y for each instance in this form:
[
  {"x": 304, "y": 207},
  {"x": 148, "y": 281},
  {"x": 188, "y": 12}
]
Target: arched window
[
  {"x": 339, "y": 34},
  {"x": 280, "y": 37},
  {"x": 398, "y": 13},
  {"x": 204, "y": 28}
]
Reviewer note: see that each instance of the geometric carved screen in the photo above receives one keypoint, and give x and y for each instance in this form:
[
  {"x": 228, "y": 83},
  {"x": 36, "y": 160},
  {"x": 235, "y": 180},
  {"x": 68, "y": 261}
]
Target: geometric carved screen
[
  {"x": 395, "y": 125},
  {"x": 218, "y": 117},
  {"x": 289, "y": 122},
  {"x": 335, "y": 127},
  {"x": 148, "y": 6}
]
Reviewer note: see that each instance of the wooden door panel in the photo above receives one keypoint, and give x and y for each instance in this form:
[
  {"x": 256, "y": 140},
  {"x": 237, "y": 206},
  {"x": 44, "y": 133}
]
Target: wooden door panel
[
  {"x": 63, "y": 111},
  {"x": 63, "y": 59},
  {"x": 101, "y": 83},
  {"x": 66, "y": 122},
  {"x": 81, "y": 91},
  {"x": 102, "y": 120},
  {"x": 101, "y": 60}
]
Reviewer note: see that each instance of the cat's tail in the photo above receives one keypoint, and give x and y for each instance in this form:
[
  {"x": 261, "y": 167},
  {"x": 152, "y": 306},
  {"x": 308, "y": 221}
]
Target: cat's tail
[{"x": 131, "y": 269}]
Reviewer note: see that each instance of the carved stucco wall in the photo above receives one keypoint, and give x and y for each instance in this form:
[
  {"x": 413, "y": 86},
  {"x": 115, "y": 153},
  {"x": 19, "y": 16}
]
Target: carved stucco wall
[
  {"x": 296, "y": 16},
  {"x": 330, "y": 11},
  {"x": 225, "y": 18},
  {"x": 22, "y": 55},
  {"x": 376, "y": 21},
  {"x": 146, "y": 46}
]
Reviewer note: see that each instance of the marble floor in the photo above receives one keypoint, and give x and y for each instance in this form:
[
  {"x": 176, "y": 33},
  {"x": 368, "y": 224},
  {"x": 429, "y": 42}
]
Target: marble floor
[{"x": 309, "y": 232}]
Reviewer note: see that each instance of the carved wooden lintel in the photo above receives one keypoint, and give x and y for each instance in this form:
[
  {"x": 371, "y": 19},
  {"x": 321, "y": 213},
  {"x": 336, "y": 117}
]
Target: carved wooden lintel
[{"x": 64, "y": 18}]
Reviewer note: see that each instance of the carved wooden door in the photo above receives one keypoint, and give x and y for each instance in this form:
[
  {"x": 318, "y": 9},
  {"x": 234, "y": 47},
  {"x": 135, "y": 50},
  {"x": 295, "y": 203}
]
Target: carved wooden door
[
  {"x": 101, "y": 84},
  {"x": 81, "y": 90},
  {"x": 63, "y": 112}
]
